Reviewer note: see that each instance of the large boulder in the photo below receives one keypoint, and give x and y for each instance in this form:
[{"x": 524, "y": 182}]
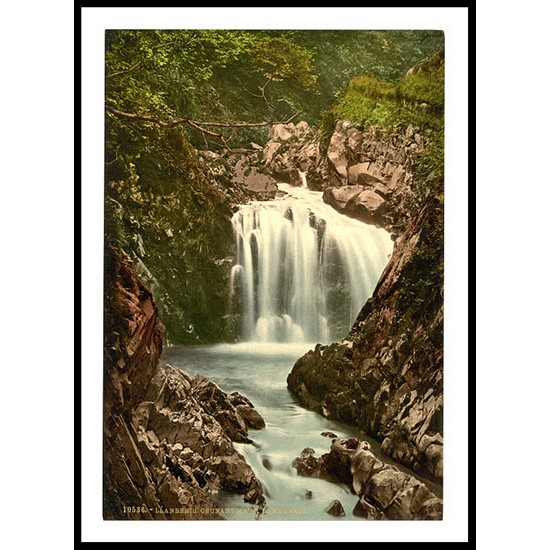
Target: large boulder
[
  {"x": 384, "y": 491},
  {"x": 244, "y": 407},
  {"x": 338, "y": 197},
  {"x": 367, "y": 206}
]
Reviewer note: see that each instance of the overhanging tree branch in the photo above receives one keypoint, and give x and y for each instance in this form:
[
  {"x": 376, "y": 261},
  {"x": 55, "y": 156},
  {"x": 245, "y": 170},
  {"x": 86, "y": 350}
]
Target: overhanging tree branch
[
  {"x": 263, "y": 96},
  {"x": 198, "y": 125}
]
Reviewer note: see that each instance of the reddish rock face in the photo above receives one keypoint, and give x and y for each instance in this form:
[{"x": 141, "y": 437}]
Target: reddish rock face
[{"x": 167, "y": 435}]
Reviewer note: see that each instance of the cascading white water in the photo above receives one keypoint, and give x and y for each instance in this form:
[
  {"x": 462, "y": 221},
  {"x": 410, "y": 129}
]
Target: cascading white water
[{"x": 303, "y": 269}]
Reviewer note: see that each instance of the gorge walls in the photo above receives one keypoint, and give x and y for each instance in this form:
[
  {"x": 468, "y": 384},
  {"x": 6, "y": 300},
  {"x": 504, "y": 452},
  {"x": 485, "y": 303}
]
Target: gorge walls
[{"x": 167, "y": 435}]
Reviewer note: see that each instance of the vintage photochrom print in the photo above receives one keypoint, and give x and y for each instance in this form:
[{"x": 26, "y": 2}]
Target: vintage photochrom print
[{"x": 273, "y": 275}]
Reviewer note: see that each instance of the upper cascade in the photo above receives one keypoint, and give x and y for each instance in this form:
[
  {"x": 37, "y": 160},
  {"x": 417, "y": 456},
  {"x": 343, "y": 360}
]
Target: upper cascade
[{"x": 303, "y": 270}]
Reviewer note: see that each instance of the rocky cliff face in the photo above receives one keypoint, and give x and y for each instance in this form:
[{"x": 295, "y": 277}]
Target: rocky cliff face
[
  {"x": 387, "y": 375},
  {"x": 364, "y": 173},
  {"x": 167, "y": 435}
]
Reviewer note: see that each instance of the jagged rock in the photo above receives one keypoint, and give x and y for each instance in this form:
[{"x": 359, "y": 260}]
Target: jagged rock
[
  {"x": 291, "y": 149},
  {"x": 335, "y": 509},
  {"x": 282, "y": 132},
  {"x": 237, "y": 398},
  {"x": 365, "y": 509},
  {"x": 251, "y": 417},
  {"x": 377, "y": 159},
  {"x": 384, "y": 491},
  {"x": 380, "y": 160},
  {"x": 215, "y": 402},
  {"x": 359, "y": 174},
  {"x": 336, "y": 152},
  {"x": 247, "y": 412},
  {"x": 164, "y": 446},
  {"x": 269, "y": 151},
  {"x": 306, "y": 464}
]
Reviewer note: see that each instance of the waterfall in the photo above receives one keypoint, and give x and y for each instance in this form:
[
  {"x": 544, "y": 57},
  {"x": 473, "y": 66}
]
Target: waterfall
[{"x": 303, "y": 271}]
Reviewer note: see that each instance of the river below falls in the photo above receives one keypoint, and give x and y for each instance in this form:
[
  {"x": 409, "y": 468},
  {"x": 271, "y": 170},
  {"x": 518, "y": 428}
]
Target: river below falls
[{"x": 259, "y": 371}]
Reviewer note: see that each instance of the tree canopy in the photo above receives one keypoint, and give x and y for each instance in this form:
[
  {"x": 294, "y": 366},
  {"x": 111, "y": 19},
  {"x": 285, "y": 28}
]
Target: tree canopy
[{"x": 222, "y": 75}]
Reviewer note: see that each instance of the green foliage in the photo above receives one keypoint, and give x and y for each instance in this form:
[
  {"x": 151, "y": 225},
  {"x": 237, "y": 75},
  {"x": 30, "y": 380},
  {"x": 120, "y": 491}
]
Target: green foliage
[
  {"x": 416, "y": 99},
  {"x": 426, "y": 83},
  {"x": 162, "y": 212},
  {"x": 278, "y": 58},
  {"x": 215, "y": 74}
]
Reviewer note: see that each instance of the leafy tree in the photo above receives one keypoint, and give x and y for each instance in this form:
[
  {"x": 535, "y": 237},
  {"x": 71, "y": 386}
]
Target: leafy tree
[{"x": 277, "y": 59}]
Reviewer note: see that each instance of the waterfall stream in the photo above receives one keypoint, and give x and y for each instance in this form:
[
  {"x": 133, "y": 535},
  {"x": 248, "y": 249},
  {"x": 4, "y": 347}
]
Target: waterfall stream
[
  {"x": 303, "y": 270},
  {"x": 302, "y": 273}
]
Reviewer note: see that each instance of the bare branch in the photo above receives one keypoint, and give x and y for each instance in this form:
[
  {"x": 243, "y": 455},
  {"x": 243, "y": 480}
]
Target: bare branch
[
  {"x": 200, "y": 126},
  {"x": 190, "y": 122},
  {"x": 126, "y": 71},
  {"x": 145, "y": 118}
]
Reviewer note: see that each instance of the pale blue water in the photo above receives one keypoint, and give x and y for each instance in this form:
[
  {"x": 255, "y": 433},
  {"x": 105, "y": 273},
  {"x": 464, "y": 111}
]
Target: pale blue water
[{"x": 259, "y": 371}]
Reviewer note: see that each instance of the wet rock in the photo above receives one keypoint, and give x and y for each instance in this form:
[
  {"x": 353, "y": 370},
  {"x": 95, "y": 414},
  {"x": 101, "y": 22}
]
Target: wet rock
[
  {"x": 309, "y": 495},
  {"x": 251, "y": 417},
  {"x": 364, "y": 509},
  {"x": 215, "y": 402},
  {"x": 307, "y": 464},
  {"x": 246, "y": 410},
  {"x": 237, "y": 398},
  {"x": 332, "y": 435},
  {"x": 384, "y": 491},
  {"x": 335, "y": 509}
]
